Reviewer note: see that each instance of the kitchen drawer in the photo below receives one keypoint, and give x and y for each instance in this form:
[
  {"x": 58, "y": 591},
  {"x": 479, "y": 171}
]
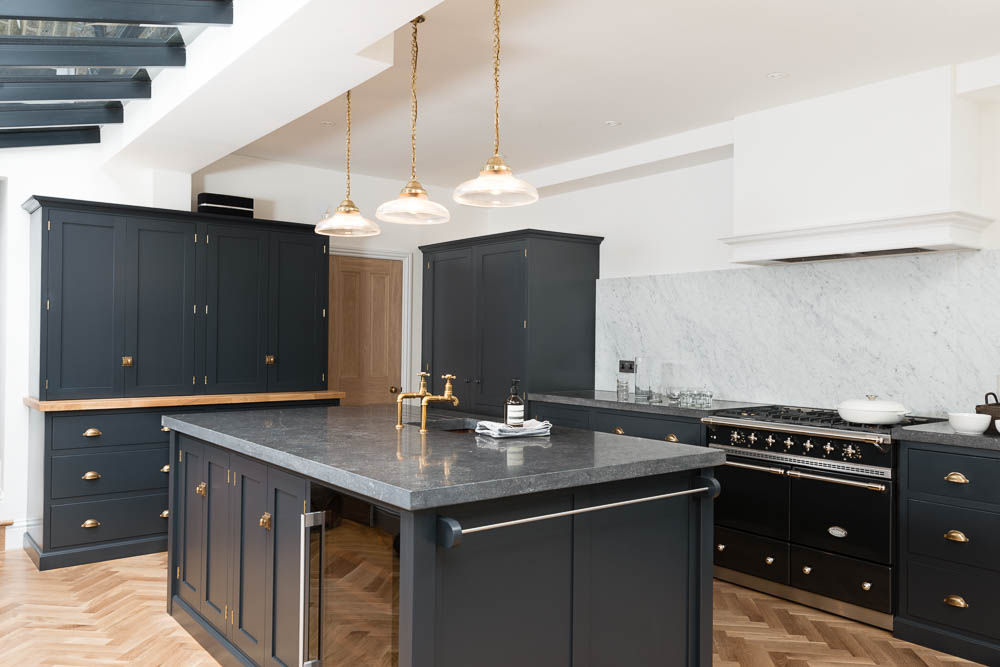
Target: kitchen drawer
[
  {"x": 119, "y": 471},
  {"x": 648, "y": 427},
  {"x": 753, "y": 498},
  {"x": 929, "y": 523},
  {"x": 851, "y": 580},
  {"x": 127, "y": 428},
  {"x": 928, "y": 586},
  {"x": 562, "y": 415},
  {"x": 927, "y": 472},
  {"x": 748, "y": 553},
  {"x": 119, "y": 519}
]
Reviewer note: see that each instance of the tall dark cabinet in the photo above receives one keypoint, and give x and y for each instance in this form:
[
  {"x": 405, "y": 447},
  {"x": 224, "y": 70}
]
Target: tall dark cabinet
[
  {"x": 139, "y": 303},
  {"x": 513, "y": 305}
]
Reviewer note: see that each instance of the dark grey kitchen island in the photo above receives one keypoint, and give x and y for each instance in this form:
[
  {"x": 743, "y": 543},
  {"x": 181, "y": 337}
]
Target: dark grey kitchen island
[{"x": 327, "y": 536}]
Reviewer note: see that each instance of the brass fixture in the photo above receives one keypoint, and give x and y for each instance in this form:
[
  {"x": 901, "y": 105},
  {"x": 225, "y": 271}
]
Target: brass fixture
[
  {"x": 91, "y": 474},
  {"x": 769, "y": 560},
  {"x": 265, "y": 521},
  {"x": 619, "y": 430},
  {"x": 127, "y": 362},
  {"x": 268, "y": 359},
  {"x": 393, "y": 389},
  {"x": 410, "y": 394},
  {"x": 447, "y": 397},
  {"x": 866, "y": 585},
  {"x": 956, "y": 478},
  {"x": 720, "y": 547},
  {"x": 165, "y": 514},
  {"x": 956, "y": 536},
  {"x": 671, "y": 438},
  {"x": 92, "y": 433},
  {"x": 202, "y": 489},
  {"x": 165, "y": 429},
  {"x": 956, "y": 601},
  {"x": 806, "y": 569},
  {"x": 165, "y": 468},
  {"x": 90, "y": 523}
]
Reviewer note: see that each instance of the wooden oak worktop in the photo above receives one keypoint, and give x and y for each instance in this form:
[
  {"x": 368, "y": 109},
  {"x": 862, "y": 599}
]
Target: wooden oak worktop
[{"x": 177, "y": 401}]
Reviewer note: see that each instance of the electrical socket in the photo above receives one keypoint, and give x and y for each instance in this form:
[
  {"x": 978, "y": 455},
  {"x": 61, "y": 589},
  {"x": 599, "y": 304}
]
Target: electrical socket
[{"x": 626, "y": 366}]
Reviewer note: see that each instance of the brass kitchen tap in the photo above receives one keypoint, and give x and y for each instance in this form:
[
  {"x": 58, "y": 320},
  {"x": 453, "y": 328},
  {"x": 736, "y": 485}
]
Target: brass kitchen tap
[
  {"x": 446, "y": 397},
  {"x": 413, "y": 394}
]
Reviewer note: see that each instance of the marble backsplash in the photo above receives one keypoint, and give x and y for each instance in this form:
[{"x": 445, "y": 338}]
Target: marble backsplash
[{"x": 923, "y": 330}]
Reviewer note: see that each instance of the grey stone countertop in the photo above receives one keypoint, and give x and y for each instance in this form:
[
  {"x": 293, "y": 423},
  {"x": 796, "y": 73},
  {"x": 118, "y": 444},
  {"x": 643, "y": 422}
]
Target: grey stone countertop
[
  {"x": 941, "y": 433},
  {"x": 359, "y": 449},
  {"x": 595, "y": 398}
]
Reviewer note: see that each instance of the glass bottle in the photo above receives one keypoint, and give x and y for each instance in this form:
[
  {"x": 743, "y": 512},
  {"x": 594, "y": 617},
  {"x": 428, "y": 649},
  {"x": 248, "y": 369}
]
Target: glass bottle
[{"x": 513, "y": 408}]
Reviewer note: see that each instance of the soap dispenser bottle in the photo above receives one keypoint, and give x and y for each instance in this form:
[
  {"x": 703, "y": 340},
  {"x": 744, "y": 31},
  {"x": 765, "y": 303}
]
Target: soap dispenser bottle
[{"x": 513, "y": 409}]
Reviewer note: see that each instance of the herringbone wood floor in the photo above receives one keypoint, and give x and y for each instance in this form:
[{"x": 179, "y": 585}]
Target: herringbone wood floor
[{"x": 113, "y": 613}]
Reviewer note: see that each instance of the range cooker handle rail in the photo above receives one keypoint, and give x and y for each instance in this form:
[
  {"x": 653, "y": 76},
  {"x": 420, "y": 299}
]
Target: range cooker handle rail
[
  {"x": 746, "y": 466},
  {"x": 450, "y": 531},
  {"x": 871, "y": 486}
]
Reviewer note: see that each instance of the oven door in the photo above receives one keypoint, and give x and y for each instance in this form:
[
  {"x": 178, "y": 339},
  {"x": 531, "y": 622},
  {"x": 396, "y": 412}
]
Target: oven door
[
  {"x": 843, "y": 514},
  {"x": 754, "y": 497}
]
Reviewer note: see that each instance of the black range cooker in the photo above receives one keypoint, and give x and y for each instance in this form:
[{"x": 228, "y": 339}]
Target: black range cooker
[{"x": 807, "y": 508}]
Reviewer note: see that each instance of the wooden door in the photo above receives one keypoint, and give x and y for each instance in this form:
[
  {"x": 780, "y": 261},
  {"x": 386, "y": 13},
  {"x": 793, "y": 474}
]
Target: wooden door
[
  {"x": 159, "y": 307},
  {"x": 502, "y": 312},
  {"x": 286, "y": 502},
  {"x": 449, "y": 322},
  {"x": 366, "y": 302},
  {"x": 249, "y": 556},
  {"x": 296, "y": 314},
  {"x": 235, "y": 309},
  {"x": 217, "y": 547},
  {"x": 84, "y": 305},
  {"x": 190, "y": 519}
]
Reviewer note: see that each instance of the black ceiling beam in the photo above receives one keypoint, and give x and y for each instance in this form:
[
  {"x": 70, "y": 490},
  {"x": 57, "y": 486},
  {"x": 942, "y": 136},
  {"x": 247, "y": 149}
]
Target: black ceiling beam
[
  {"x": 153, "y": 12},
  {"x": 88, "y": 52},
  {"x": 50, "y": 137},
  {"x": 62, "y": 115},
  {"x": 75, "y": 87}
]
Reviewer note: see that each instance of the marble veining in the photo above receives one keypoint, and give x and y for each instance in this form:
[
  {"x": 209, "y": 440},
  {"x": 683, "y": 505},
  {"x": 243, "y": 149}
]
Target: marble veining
[{"x": 920, "y": 329}]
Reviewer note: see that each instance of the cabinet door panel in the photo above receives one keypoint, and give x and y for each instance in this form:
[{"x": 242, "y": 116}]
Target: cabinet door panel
[
  {"x": 86, "y": 306},
  {"x": 249, "y": 556},
  {"x": 502, "y": 312},
  {"x": 286, "y": 496},
  {"x": 217, "y": 548},
  {"x": 159, "y": 303},
  {"x": 236, "y": 291},
  {"x": 190, "y": 530},
  {"x": 296, "y": 327},
  {"x": 450, "y": 315}
]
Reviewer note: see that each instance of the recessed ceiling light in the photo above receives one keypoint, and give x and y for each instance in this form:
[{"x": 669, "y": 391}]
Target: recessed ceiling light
[
  {"x": 327, "y": 123},
  {"x": 612, "y": 123},
  {"x": 777, "y": 75}
]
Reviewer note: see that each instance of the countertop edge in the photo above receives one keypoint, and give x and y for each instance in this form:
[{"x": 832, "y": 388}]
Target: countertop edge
[
  {"x": 941, "y": 433},
  {"x": 646, "y": 408},
  {"x": 73, "y": 405}
]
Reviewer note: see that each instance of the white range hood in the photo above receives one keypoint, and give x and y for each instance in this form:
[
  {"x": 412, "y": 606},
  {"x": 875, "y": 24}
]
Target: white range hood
[{"x": 946, "y": 230}]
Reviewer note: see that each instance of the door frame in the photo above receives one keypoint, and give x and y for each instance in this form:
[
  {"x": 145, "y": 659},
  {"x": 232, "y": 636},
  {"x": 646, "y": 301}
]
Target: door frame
[{"x": 405, "y": 382}]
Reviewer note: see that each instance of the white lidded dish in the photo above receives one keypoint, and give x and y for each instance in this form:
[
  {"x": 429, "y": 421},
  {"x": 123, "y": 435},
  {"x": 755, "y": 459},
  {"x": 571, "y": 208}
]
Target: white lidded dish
[{"x": 871, "y": 410}]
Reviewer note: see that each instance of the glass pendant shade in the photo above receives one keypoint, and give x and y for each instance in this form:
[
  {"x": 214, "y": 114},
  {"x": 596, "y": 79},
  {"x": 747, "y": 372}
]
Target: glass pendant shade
[
  {"x": 412, "y": 207},
  {"x": 347, "y": 222},
  {"x": 496, "y": 187}
]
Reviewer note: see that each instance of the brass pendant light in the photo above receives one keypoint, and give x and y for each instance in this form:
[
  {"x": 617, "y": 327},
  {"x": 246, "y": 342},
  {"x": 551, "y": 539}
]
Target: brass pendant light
[
  {"x": 347, "y": 221},
  {"x": 496, "y": 186},
  {"x": 412, "y": 207}
]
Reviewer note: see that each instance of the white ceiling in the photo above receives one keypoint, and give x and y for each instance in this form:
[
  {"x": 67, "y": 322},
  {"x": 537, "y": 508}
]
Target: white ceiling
[{"x": 658, "y": 66}]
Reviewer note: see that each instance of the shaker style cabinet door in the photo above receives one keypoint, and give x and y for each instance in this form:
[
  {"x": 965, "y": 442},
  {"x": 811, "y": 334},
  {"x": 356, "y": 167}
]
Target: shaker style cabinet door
[
  {"x": 84, "y": 306},
  {"x": 190, "y": 519},
  {"x": 217, "y": 547},
  {"x": 159, "y": 307},
  {"x": 235, "y": 309},
  {"x": 297, "y": 328},
  {"x": 286, "y": 497},
  {"x": 249, "y": 555},
  {"x": 449, "y": 312}
]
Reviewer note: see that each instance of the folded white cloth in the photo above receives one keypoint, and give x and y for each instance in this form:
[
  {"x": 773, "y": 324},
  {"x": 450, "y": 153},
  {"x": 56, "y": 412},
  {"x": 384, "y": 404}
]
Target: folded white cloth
[{"x": 532, "y": 427}]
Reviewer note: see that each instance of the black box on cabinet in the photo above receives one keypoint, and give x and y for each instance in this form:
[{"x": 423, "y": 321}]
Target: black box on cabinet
[{"x": 240, "y": 207}]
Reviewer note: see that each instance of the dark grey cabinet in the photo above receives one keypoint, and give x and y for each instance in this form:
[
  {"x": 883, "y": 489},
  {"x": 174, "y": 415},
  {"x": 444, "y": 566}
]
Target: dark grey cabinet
[
  {"x": 217, "y": 544},
  {"x": 189, "y": 522},
  {"x": 513, "y": 305},
  {"x": 286, "y": 503},
  {"x": 687, "y": 430},
  {"x": 249, "y": 620}
]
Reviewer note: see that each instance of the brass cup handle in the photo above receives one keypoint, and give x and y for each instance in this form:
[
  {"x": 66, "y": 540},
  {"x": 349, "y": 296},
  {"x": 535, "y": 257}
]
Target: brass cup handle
[
  {"x": 128, "y": 362},
  {"x": 269, "y": 360},
  {"x": 619, "y": 430},
  {"x": 866, "y": 585},
  {"x": 769, "y": 560},
  {"x": 90, "y": 523},
  {"x": 956, "y": 536},
  {"x": 92, "y": 433},
  {"x": 671, "y": 438},
  {"x": 265, "y": 521},
  {"x": 806, "y": 569},
  {"x": 201, "y": 489},
  {"x": 956, "y": 478},
  {"x": 956, "y": 601},
  {"x": 393, "y": 389},
  {"x": 165, "y": 468},
  {"x": 165, "y": 514},
  {"x": 90, "y": 475},
  {"x": 720, "y": 547}
]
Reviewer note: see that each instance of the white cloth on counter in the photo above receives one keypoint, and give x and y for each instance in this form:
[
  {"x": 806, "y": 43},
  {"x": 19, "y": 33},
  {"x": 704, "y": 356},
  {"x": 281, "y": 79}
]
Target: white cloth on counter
[{"x": 531, "y": 428}]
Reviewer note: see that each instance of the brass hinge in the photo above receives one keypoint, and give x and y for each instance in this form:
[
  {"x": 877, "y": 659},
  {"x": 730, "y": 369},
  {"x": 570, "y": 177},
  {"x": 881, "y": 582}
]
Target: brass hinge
[
  {"x": 324, "y": 312},
  {"x": 206, "y": 239},
  {"x": 427, "y": 366},
  {"x": 322, "y": 377},
  {"x": 196, "y": 237},
  {"x": 193, "y": 381},
  {"x": 232, "y": 616},
  {"x": 206, "y": 309},
  {"x": 180, "y": 454},
  {"x": 324, "y": 249},
  {"x": 304, "y": 507},
  {"x": 50, "y": 225},
  {"x": 48, "y": 304},
  {"x": 206, "y": 379},
  {"x": 178, "y": 571},
  {"x": 525, "y": 252},
  {"x": 46, "y": 383},
  {"x": 428, "y": 265},
  {"x": 225, "y": 611},
  {"x": 227, "y": 475},
  {"x": 526, "y": 324}
]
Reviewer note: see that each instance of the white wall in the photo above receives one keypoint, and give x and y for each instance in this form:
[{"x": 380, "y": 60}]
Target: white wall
[{"x": 296, "y": 193}]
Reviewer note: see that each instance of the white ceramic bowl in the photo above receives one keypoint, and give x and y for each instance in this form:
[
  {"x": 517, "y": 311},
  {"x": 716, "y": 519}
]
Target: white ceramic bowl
[{"x": 969, "y": 423}]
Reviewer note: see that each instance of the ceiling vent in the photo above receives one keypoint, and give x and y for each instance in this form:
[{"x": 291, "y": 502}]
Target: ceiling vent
[{"x": 949, "y": 230}]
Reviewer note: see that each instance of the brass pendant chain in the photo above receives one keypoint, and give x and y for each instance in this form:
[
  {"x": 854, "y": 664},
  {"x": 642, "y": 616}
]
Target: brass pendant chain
[
  {"x": 414, "y": 52},
  {"x": 496, "y": 77},
  {"x": 348, "y": 195}
]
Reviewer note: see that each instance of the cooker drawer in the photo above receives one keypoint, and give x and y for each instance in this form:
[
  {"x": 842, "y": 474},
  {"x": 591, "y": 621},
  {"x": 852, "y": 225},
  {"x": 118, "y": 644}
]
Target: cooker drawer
[
  {"x": 958, "y": 476},
  {"x": 966, "y": 599},
  {"x": 754, "y": 497},
  {"x": 110, "y": 472},
  {"x": 101, "y": 520},
  {"x": 954, "y": 534},
  {"x": 562, "y": 415},
  {"x": 841, "y": 578},
  {"x": 752, "y": 554},
  {"x": 648, "y": 427},
  {"x": 103, "y": 430}
]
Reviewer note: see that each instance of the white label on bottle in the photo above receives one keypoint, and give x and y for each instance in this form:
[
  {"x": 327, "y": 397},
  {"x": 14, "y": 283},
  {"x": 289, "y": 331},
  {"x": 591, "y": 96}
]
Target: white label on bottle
[{"x": 515, "y": 415}]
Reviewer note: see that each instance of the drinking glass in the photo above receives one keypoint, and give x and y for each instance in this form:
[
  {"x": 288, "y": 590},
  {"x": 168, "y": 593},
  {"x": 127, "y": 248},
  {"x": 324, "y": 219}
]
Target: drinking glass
[{"x": 623, "y": 390}]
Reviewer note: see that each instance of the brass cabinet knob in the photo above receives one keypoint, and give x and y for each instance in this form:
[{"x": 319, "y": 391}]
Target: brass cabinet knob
[
  {"x": 619, "y": 430},
  {"x": 90, "y": 523},
  {"x": 268, "y": 359},
  {"x": 165, "y": 429},
  {"x": 165, "y": 468},
  {"x": 127, "y": 362},
  {"x": 265, "y": 521},
  {"x": 92, "y": 433},
  {"x": 91, "y": 474},
  {"x": 671, "y": 438},
  {"x": 956, "y": 536},
  {"x": 201, "y": 489},
  {"x": 956, "y": 601},
  {"x": 806, "y": 569},
  {"x": 769, "y": 560},
  {"x": 956, "y": 478},
  {"x": 720, "y": 547},
  {"x": 165, "y": 514},
  {"x": 393, "y": 389},
  {"x": 866, "y": 585}
]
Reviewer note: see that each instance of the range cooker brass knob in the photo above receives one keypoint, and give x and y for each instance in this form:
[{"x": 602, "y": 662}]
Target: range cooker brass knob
[
  {"x": 866, "y": 585},
  {"x": 720, "y": 547},
  {"x": 769, "y": 560}
]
